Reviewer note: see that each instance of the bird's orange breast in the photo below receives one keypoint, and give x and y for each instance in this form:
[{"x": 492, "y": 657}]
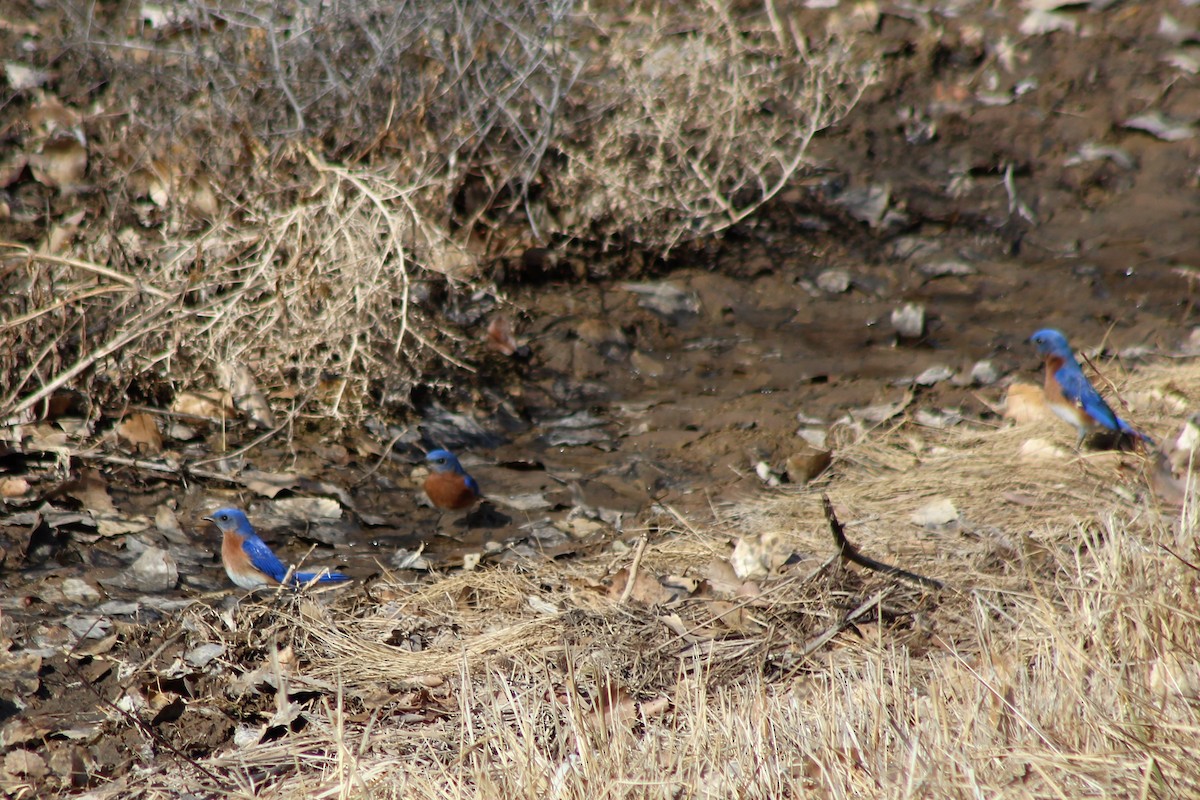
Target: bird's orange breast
[{"x": 449, "y": 490}]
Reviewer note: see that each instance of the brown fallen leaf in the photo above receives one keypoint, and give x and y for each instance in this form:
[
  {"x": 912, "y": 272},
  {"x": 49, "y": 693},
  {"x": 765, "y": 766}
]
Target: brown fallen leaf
[
  {"x": 247, "y": 397},
  {"x": 24, "y": 764},
  {"x": 92, "y": 491},
  {"x": 268, "y": 484},
  {"x": 208, "y": 404},
  {"x": 141, "y": 431},
  {"x": 500, "y": 337},
  {"x": 647, "y": 590},
  {"x": 60, "y": 164},
  {"x": 13, "y": 487}
]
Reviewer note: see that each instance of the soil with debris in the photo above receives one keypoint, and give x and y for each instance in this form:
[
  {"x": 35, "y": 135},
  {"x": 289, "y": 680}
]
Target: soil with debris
[{"x": 1012, "y": 170}]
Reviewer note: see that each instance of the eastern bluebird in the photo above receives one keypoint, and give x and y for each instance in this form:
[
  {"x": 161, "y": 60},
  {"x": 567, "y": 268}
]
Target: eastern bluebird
[
  {"x": 1071, "y": 395},
  {"x": 448, "y": 486},
  {"x": 248, "y": 560}
]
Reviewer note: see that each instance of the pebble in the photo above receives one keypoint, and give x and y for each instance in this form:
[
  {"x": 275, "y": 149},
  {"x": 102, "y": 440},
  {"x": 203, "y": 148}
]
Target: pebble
[
  {"x": 79, "y": 591},
  {"x": 909, "y": 320},
  {"x": 154, "y": 571},
  {"x": 807, "y": 463},
  {"x": 984, "y": 373},
  {"x": 940, "y": 269},
  {"x": 935, "y": 514},
  {"x": 834, "y": 281},
  {"x": 201, "y": 655},
  {"x": 934, "y": 374}
]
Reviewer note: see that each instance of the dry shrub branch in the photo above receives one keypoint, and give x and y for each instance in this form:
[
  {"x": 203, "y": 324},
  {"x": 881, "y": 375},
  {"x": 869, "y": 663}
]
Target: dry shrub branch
[{"x": 271, "y": 183}]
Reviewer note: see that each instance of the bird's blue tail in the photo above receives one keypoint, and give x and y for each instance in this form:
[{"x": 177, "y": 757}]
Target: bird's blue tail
[
  {"x": 1135, "y": 433},
  {"x": 326, "y": 577}
]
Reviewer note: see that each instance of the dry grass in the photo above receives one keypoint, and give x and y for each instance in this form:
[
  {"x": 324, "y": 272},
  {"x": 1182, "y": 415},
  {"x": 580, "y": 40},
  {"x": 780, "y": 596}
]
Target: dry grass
[
  {"x": 298, "y": 188},
  {"x": 1061, "y": 660}
]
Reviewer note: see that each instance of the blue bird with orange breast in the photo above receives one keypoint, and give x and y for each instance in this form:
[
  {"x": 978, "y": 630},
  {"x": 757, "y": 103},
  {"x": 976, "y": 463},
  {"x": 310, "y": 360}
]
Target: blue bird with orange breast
[
  {"x": 249, "y": 562},
  {"x": 448, "y": 486},
  {"x": 1071, "y": 396}
]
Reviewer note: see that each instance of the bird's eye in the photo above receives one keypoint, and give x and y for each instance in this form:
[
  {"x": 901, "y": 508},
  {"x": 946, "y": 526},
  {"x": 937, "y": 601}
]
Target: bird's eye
[{"x": 223, "y": 517}]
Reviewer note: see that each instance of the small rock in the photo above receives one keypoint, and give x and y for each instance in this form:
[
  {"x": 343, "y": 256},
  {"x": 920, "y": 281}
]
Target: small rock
[
  {"x": 935, "y": 374},
  {"x": 664, "y": 298},
  {"x": 940, "y": 269},
  {"x": 181, "y": 432},
  {"x": 202, "y": 655},
  {"x": 90, "y": 627},
  {"x": 411, "y": 559},
  {"x": 867, "y": 204},
  {"x": 984, "y": 373},
  {"x": 807, "y": 463},
  {"x": 935, "y": 514},
  {"x": 936, "y": 418},
  {"x": 154, "y": 571},
  {"x": 598, "y": 332},
  {"x": 646, "y": 365},
  {"x": 79, "y": 591},
  {"x": 1161, "y": 126},
  {"x": 1091, "y": 151},
  {"x": 816, "y": 437},
  {"x": 765, "y": 474},
  {"x": 834, "y": 281},
  {"x": 909, "y": 320},
  {"x": 534, "y": 501}
]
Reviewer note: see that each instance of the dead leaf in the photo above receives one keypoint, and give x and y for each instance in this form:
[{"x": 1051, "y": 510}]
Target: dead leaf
[
  {"x": 307, "y": 508},
  {"x": 759, "y": 556},
  {"x": 92, "y": 491},
  {"x": 615, "y": 704},
  {"x": 20, "y": 674},
  {"x": 24, "y": 765},
  {"x": 935, "y": 514},
  {"x": 209, "y": 404},
  {"x": 13, "y": 487},
  {"x": 22, "y": 76},
  {"x": 247, "y": 397},
  {"x": 647, "y": 590},
  {"x": 119, "y": 526},
  {"x": 268, "y": 484},
  {"x": 141, "y": 431},
  {"x": 60, "y": 164}
]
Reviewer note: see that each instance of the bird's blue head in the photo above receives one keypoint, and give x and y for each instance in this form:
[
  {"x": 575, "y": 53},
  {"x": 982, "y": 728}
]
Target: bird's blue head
[
  {"x": 443, "y": 461},
  {"x": 232, "y": 520},
  {"x": 1050, "y": 342}
]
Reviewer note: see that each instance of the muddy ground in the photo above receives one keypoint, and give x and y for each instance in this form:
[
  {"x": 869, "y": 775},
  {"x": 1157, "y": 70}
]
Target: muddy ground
[{"x": 991, "y": 177}]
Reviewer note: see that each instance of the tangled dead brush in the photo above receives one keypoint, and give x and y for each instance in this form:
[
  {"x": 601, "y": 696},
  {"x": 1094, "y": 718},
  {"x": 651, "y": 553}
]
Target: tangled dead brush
[{"x": 291, "y": 186}]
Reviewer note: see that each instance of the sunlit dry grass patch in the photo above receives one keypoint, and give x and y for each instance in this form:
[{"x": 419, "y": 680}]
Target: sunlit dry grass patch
[{"x": 1059, "y": 660}]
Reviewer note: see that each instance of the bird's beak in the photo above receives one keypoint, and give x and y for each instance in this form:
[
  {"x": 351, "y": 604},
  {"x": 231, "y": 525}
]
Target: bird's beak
[{"x": 209, "y": 519}]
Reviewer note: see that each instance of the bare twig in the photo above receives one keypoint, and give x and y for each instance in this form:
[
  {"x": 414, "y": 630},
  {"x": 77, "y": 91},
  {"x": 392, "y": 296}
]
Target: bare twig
[
  {"x": 633, "y": 569},
  {"x": 850, "y": 553},
  {"x": 88, "y": 266}
]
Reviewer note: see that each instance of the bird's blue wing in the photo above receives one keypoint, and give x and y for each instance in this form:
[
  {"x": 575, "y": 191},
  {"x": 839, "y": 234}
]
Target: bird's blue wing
[
  {"x": 471, "y": 484},
  {"x": 1078, "y": 389},
  {"x": 262, "y": 558}
]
